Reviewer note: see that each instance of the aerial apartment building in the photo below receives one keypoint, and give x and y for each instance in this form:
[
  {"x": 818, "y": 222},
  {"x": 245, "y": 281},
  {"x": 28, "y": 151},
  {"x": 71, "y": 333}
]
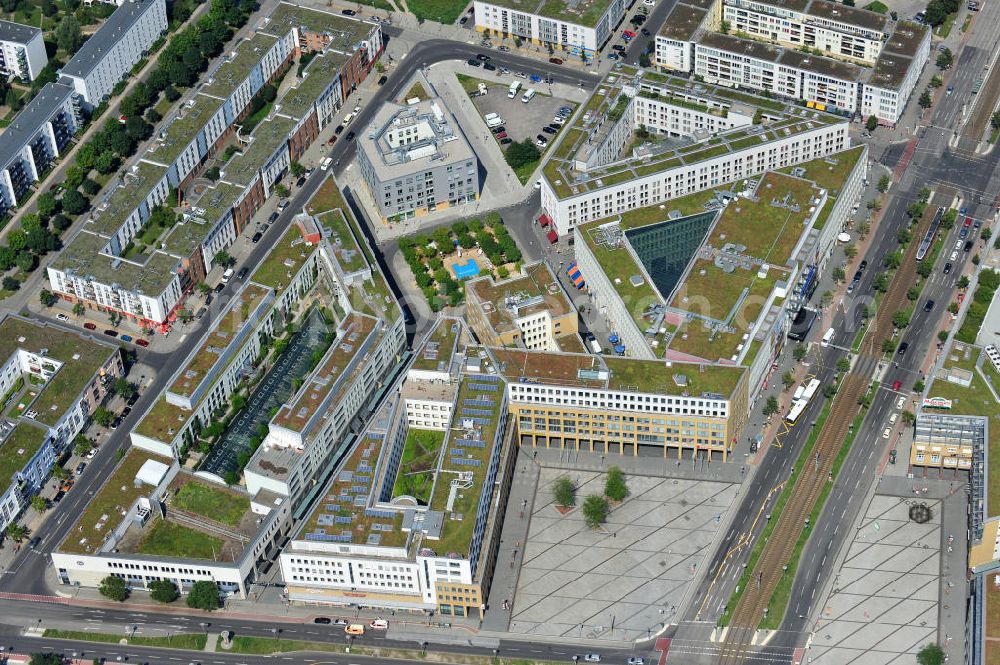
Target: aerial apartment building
[
  {"x": 22, "y": 51},
  {"x": 109, "y": 54},
  {"x": 151, "y": 520},
  {"x": 106, "y": 272},
  {"x": 38, "y": 135},
  {"x": 54, "y": 379},
  {"x": 410, "y": 519},
  {"x": 578, "y": 28},
  {"x": 834, "y": 57},
  {"x": 415, "y": 159},
  {"x": 600, "y": 170},
  {"x": 529, "y": 310}
]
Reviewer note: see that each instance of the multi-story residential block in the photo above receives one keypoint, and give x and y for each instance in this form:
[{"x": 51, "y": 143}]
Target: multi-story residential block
[
  {"x": 150, "y": 285},
  {"x": 578, "y": 28},
  {"x": 415, "y": 159},
  {"x": 831, "y": 28},
  {"x": 22, "y": 51},
  {"x": 591, "y": 175},
  {"x": 153, "y": 520},
  {"x": 731, "y": 61},
  {"x": 38, "y": 135},
  {"x": 529, "y": 311},
  {"x": 54, "y": 379},
  {"x": 896, "y": 73},
  {"x": 788, "y": 49},
  {"x": 717, "y": 276},
  {"x": 408, "y": 520},
  {"x": 110, "y": 53}
]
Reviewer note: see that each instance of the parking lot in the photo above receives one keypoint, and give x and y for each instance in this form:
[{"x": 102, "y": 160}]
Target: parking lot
[{"x": 521, "y": 121}]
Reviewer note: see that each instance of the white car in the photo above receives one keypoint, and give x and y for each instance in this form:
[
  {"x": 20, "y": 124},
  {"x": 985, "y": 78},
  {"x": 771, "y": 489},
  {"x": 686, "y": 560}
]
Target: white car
[
  {"x": 592, "y": 658},
  {"x": 954, "y": 256},
  {"x": 893, "y": 418},
  {"x": 958, "y": 244},
  {"x": 62, "y": 317},
  {"x": 635, "y": 660},
  {"x": 886, "y": 432},
  {"x": 900, "y": 402},
  {"x": 649, "y": 3},
  {"x": 538, "y": 184}
]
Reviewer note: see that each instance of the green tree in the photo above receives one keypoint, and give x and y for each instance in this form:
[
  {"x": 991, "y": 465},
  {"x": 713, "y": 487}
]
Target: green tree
[
  {"x": 943, "y": 335},
  {"x": 297, "y": 169},
  {"x": 82, "y": 445},
  {"x": 522, "y": 153},
  {"x": 67, "y": 34},
  {"x": 47, "y": 298},
  {"x": 892, "y": 260},
  {"x": 932, "y": 654},
  {"x": 883, "y": 183},
  {"x": 10, "y": 284},
  {"x": 16, "y": 532},
  {"x": 163, "y": 591},
  {"x": 963, "y": 282},
  {"x": 615, "y": 487},
  {"x": 913, "y": 293},
  {"x": 838, "y": 274},
  {"x": 850, "y": 251},
  {"x": 901, "y": 318},
  {"x": 881, "y": 282},
  {"x": 204, "y": 595},
  {"x": 281, "y": 191},
  {"x": 908, "y": 417},
  {"x": 114, "y": 588},
  {"x": 595, "y": 511},
  {"x": 124, "y": 388},
  {"x": 925, "y": 100},
  {"x": 945, "y": 58},
  {"x": 871, "y": 124},
  {"x": 39, "y": 504},
  {"x": 800, "y": 353},
  {"x": 918, "y": 386},
  {"x": 46, "y": 658},
  {"x": 788, "y": 380},
  {"x": 74, "y": 202},
  {"x": 223, "y": 259},
  {"x": 843, "y": 365},
  {"x": 78, "y": 309},
  {"x": 564, "y": 492},
  {"x": 103, "y": 417},
  {"x": 770, "y": 406},
  {"x": 47, "y": 204}
]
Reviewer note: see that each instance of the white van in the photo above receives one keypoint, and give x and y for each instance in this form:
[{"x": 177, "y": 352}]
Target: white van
[
  {"x": 512, "y": 90},
  {"x": 494, "y": 121},
  {"x": 827, "y": 338},
  {"x": 326, "y": 164},
  {"x": 226, "y": 276},
  {"x": 528, "y": 95}
]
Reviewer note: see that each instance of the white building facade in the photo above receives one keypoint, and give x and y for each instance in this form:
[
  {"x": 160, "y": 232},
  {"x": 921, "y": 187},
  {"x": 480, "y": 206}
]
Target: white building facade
[
  {"x": 22, "y": 51},
  {"x": 562, "y": 34}
]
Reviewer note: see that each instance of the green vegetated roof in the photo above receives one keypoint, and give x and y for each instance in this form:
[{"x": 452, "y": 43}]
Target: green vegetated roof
[
  {"x": 225, "y": 332},
  {"x": 238, "y": 66},
  {"x": 319, "y": 75},
  {"x": 163, "y": 421},
  {"x": 189, "y": 120},
  {"x": 83, "y": 257},
  {"x": 344, "y": 32},
  {"x": 342, "y": 241},
  {"x": 80, "y": 356},
  {"x": 435, "y": 354},
  {"x": 18, "y": 449},
  {"x": 216, "y": 202},
  {"x": 829, "y": 172},
  {"x": 456, "y": 534},
  {"x": 113, "y": 497},
  {"x": 283, "y": 262},
  {"x": 139, "y": 181},
  {"x": 268, "y": 137}
]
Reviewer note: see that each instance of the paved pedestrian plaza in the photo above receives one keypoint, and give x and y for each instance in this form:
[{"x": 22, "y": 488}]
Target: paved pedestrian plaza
[
  {"x": 884, "y": 604},
  {"x": 626, "y": 579}
]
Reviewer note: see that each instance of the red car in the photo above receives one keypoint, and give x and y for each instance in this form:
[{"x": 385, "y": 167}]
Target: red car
[
  {"x": 556, "y": 61},
  {"x": 90, "y": 326},
  {"x": 142, "y": 342},
  {"x": 628, "y": 34},
  {"x": 502, "y": 135},
  {"x": 897, "y": 384}
]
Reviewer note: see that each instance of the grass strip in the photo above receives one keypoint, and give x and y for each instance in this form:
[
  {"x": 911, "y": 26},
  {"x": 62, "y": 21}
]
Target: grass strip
[
  {"x": 779, "y": 505},
  {"x": 193, "y": 641},
  {"x": 263, "y": 646},
  {"x": 778, "y": 603}
]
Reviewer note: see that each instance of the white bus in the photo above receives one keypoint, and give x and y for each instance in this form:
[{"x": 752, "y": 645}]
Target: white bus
[
  {"x": 798, "y": 393},
  {"x": 811, "y": 389},
  {"x": 796, "y": 411},
  {"x": 528, "y": 95},
  {"x": 512, "y": 90}
]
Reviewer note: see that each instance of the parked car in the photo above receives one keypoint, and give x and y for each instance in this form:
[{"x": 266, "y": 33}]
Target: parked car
[
  {"x": 256, "y": 237},
  {"x": 548, "y": 130},
  {"x": 482, "y": 57},
  {"x": 340, "y": 622},
  {"x": 490, "y": 67},
  {"x": 348, "y": 12},
  {"x": 379, "y": 624},
  {"x": 947, "y": 268},
  {"x": 339, "y": 129},
  {"x": 504, "y": 49},
  {"x": 242, "y": 274},
  {"x": 618, "y": 47},
  {"x": 505, "y": 140},
  {"x": 115, "y": 423},
  {"x": 272, "y": 218},
  {"x": 322, "y": 620},
  {"x": 80, "y": 468},
  {"x": 382, "y": 80},
  {"x": 90, "y": 326},
  {"x": 142, "y": 342},
  {"x": 350, "y": 136},
  {"x": 125, "y": 412},
  {"x": 645, "y": 33},
  {"x": 301, "y": 181},
  {"x": 592, "y": 658},
  {"x": 886, "y": 432},
  {"x": 967, "y": 246},
  {"x": 499, "y": 130},
  {"x": 862, "y": 266},
  {"x": 954, "y": 256},
  {"x": 556, "y": 61},
  {"x": 635, "y": 660},
  {"x": 502, "y": 135},
  {"x": 135, "y": 396},
  {"x": 62, "y": 317},
  {"x": 111, "y": 333},
  {"x": 902, "y": 348},
  {"x": 126, "y": 338},
  {"x": 465, "y": 19}
]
